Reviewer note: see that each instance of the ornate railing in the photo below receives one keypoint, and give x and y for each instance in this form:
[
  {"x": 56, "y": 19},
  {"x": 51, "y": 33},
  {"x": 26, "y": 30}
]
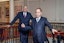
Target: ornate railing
[{"x": 11, "y": 34}]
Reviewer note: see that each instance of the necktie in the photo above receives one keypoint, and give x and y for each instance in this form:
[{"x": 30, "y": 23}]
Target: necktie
[
  {"x": 37, "y": 19},
  {"x": 24, "y": 15}
]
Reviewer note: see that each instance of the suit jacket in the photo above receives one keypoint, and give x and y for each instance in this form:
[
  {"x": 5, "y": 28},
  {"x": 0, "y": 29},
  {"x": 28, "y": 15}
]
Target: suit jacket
[
  {"x": 22, "y": 20},
  {"x": 39, "y": 28}
]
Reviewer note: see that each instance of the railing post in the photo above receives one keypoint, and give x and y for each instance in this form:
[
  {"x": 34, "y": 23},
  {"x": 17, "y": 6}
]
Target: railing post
[
  {"x": 11, "y": 18},
  {"x": 11, "y": 10}
]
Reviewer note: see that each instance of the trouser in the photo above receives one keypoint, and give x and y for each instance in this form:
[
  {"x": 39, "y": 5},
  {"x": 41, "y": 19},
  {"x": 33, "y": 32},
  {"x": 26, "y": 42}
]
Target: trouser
[
  {"x": 39, "y": 40},
  {"x": 35, "y": 40},
  {"x": 23, "y": 38},
  {"x": 58, "y": 39}
]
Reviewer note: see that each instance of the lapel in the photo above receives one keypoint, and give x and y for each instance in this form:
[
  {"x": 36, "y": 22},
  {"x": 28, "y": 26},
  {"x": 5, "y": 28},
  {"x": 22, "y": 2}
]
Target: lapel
[
  {"x": 36, "y": 23},
  {"x": 40, "y": 20},
  {"x": 27, "y": 15}
]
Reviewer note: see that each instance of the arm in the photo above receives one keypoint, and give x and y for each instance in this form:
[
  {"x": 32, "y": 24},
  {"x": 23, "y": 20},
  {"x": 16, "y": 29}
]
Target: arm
[
  {"x": 13, "y": 21},
  {"x": 50, "y": 26},
  {"x": 29, "y": 27},
  {"x": 31, "y": 16},
  {"x": 16, "y": 17},
  {"x": 30, "y": 22}
]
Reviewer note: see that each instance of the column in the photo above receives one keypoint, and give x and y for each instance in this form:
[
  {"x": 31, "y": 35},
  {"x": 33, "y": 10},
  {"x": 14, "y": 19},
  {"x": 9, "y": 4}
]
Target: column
[
  {"x": 11, "y": 16},
  {"x": 11, "y": 10}
]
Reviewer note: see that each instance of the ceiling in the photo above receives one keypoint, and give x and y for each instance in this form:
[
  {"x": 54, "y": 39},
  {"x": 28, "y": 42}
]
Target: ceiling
[{"x": 3, "y": 0}]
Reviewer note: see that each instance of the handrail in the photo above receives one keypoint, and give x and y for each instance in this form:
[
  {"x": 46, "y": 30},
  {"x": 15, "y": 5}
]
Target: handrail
[
  {"x": 8, "y": 27},
  {"x": 5, "y": 27},
  {"x": 2, "y": 23}
]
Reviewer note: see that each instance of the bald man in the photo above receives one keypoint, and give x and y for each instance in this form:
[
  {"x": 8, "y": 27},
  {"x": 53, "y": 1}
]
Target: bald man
[
  {"x": 38, "y": 27},
  {"x": 23, "y": 27}
]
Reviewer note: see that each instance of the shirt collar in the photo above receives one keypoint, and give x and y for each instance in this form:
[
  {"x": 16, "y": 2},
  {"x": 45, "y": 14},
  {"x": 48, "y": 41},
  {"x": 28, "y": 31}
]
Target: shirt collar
[{"x": 38, "y": 18}]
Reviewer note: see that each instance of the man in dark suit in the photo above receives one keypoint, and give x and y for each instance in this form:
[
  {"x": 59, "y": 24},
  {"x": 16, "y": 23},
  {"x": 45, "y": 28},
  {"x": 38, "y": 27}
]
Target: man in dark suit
[
  {"x": 38, "y": 26},
  {"x": 23, "y": 27}
]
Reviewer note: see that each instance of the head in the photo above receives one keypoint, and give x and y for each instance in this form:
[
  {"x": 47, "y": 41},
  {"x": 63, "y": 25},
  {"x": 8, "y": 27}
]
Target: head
[
  {"x": 25, "y": 9},
  {"x": 38, "y": 12}
]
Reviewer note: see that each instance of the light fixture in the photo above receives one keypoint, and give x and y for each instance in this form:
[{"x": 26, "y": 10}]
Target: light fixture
[{"x": 3, "y": 0}]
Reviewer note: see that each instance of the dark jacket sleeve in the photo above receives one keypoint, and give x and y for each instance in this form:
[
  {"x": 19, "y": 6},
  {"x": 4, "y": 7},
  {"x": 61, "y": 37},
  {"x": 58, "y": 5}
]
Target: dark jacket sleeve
[
  {"x": 27, "y": 28},
  {"x": 48, "y": 24},
  {"x": 31, "y": 16},
  {"x": 13, "y": 21}
]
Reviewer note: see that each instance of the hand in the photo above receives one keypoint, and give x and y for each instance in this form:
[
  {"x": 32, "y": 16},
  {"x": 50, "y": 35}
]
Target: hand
[
  {"x": 23, "y": 25},
  {"x": 30, "y": 22},
  {"x": 53, "y": 31}
]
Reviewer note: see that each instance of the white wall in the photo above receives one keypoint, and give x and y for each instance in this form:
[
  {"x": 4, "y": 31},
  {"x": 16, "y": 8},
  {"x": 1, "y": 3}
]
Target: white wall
[
  {"x": 62, "y": 10},
  {"x": 48, "y": 7},
  {"x": 32, "y": 5},
  {"x": 52, "y": 9}
]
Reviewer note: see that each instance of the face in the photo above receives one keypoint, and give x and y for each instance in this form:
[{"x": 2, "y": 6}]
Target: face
[
  {"x": 38, "y": 13},
  {"x": 25, "y": 9}
]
